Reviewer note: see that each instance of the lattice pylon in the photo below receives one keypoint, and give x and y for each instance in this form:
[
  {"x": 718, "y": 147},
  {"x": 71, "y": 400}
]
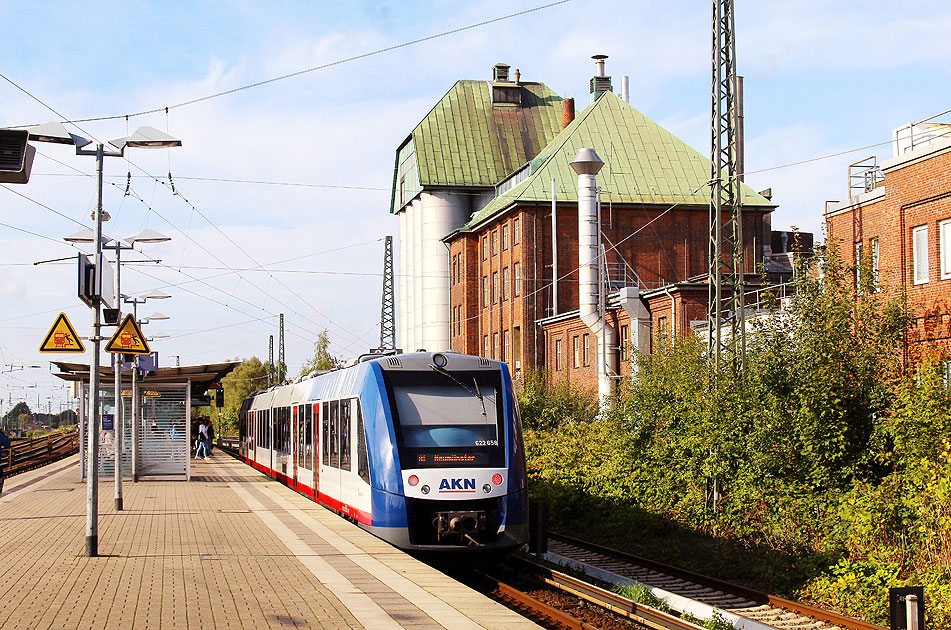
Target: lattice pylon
[{"x": 726, "y": 290}]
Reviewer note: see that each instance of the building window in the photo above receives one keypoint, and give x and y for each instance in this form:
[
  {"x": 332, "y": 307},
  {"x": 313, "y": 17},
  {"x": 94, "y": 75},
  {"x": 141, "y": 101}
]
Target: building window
[
  {"x": 506, "y": 287},
  {"x": 506, "y": 346},
  {"x": 558, "y": 354},
  {"x": 505, "y": 237},
  {"x": 944, "y": 236},
  {"x": 495, "y": 242},
  {"x": 516, "y": 236},
  {"x": 858, "y": 265},
  {"x": 662, "y": 332},
  {"x": 577, "y": 351},
  {"x": 585, "y": 344},
  {"x": 516, "y": 278},
  {"x": 920, "y": 247},
  {"x": 402, "y": 191},
  {"x": 485, "y": 247},
  {"x": 485, "y": 346},
  {"x": 455, "y": 270},
  {"x": 495, "y": 286},
  {"x": 485, "y": 292},
  {"x": 625, "y": 343},
  {"x": 495, "y": 345},
  {"x": 874, "y": 243}
]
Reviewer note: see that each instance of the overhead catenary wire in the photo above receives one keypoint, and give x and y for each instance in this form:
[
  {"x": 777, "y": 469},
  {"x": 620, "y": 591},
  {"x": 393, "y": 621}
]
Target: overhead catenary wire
[{"x": 298, "y": 73}]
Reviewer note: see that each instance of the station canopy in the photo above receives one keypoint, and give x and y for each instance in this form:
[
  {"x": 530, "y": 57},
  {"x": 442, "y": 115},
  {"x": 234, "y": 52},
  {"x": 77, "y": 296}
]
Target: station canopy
[{"x": 200, "y": 376}]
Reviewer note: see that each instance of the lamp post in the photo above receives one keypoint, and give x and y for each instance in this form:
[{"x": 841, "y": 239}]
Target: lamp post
[
  {"x": 118, "y": 245},
  {"x": 135, "y": 301},
  {"x": 146, "y": 137}
]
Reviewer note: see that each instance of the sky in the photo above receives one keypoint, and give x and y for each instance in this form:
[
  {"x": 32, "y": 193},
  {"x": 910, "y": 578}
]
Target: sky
[{"x": 820, "y": 79}]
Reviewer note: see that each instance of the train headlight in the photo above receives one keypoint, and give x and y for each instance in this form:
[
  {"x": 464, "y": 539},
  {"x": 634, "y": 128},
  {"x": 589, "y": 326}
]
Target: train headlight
[
  {"x": 497, "y": 479},
  {"x": 487, "y": 488},
  {"x": 440, "y": 360},
  {"x": 413, "y": 480},
  {"x": 424, "y": 489}
]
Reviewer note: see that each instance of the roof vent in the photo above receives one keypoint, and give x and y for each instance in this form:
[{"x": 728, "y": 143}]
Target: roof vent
[
  {"x": 484, "y": 362},
  {"x": 500, "y": 72},
  {"x": 600, "y": 83},
  {"x": 394, "y": 362}
]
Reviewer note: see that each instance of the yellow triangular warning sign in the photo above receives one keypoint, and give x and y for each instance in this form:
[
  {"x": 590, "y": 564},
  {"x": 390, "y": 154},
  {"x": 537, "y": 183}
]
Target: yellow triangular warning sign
[
  {"x": 62, "y": 337},
  {"x": 128, "y": 339}
]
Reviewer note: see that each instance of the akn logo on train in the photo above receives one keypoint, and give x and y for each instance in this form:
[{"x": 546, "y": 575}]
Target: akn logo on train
[{"x": 457, "y": 485}]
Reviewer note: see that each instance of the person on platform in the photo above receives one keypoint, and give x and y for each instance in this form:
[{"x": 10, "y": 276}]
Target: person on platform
[
  {"x": 211, "y": 437},
  {"x": 4, "y": 443},
  {"x": 202, "y": 451}
]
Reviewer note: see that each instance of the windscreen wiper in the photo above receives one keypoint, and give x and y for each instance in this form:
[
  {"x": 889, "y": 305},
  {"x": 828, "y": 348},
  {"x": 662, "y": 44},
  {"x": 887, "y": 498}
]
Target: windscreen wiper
[{"x": 475, "y": 393}]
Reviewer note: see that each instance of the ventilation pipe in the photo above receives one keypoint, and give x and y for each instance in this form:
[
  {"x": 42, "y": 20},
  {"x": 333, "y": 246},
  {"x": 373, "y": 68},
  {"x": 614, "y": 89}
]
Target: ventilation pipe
[
  {"x": 626, "y": 89},
  {"x": 587, "y": 164},
  {"x": 640, "y": 324}
]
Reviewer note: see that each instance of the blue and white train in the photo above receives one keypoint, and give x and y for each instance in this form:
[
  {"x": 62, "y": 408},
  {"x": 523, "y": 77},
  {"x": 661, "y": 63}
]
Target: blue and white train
[{"x": 423, "y": 450}]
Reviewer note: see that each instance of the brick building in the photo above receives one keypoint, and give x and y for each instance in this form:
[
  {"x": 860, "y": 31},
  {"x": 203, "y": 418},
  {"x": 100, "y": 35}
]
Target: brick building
[
  {"x": 446, "y": 169},
  {"x": 901, "y": 224},
  {"x": 509, "y": 301}
]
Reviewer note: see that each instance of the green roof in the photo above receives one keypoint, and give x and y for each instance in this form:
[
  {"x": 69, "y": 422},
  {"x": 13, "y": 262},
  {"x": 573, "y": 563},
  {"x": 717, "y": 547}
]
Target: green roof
[
  {"x": 644, "y": 164},
  {"x": 465, "y": 140}
]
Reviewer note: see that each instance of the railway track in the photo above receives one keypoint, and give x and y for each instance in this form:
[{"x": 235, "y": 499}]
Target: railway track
[
  {"x": 556, "y": 600},
  {"x": 680, "y": 587}
]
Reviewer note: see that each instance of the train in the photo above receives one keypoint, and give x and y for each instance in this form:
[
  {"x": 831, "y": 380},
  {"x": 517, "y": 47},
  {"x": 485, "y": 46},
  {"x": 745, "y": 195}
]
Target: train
[{"x": 423, "y": 450}]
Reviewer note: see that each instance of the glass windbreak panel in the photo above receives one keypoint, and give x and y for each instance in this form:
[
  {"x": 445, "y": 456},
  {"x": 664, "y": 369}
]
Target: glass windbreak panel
[{"x": 447, "y": 418}]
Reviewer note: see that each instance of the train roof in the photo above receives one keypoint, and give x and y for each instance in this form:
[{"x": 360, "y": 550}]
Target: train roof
[{"x": 346, "y": 381}]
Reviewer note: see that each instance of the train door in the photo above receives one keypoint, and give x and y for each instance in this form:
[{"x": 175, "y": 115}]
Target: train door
[
  {"x": 315, "y": 453},
  {"x": 330, "y": 454},
  {"x": 294, "y": 445}
]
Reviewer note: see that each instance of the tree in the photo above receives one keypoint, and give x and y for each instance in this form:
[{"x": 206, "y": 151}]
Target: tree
[
  {"x": 322, "y": 359},
  {"x": 19, "y": 408},
  {"x": 245, "y": 379}
]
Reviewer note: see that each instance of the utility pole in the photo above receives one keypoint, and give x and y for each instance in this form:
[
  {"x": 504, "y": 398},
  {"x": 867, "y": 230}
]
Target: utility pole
[
  {"x": 281, "y": 367},
  {"x": 387, "y": 316},
  {"x": 726, "y": 288},
  {"x": 270, "y": 359}
]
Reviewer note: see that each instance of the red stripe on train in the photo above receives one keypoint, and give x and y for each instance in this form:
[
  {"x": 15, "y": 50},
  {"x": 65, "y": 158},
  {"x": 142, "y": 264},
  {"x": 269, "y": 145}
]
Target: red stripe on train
[{"x": 325, "y": 499}]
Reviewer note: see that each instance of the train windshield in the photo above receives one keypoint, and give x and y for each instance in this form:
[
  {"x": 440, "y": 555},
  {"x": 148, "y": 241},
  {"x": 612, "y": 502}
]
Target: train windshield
[{"x": 447, "y": 418}]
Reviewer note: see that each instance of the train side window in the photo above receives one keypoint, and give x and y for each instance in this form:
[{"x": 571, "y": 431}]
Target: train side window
[
  {"x": 287, "y": 430},
  {"x": 298, "y": 414},
  {"x": 345, "y": 434},
  {"x": 315, "y": 436},
  {"x": 326, "y": 434},
  {"x": 334, "y": 433},
  {"x": 308, "y": 435},
  {"x": 363, "y": 462}
]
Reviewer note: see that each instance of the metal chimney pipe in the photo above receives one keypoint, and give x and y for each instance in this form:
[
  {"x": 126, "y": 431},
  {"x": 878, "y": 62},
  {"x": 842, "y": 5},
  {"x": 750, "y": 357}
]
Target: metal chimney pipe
[
  {"x": 587, "y": 164},
  {"x": 625, "y": 86},
  {"x": 599, "y": 64}
]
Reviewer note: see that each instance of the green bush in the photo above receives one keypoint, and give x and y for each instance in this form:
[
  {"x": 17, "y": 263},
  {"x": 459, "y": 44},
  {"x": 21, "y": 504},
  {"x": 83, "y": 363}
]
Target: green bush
[{"x": 824, "y": 472}]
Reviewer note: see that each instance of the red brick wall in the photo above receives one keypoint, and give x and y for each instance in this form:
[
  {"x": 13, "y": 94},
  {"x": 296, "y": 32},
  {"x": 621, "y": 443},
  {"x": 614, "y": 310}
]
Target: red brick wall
[
  {"x": 916, "y": 194},
  {"x": 670, "y": 249}
]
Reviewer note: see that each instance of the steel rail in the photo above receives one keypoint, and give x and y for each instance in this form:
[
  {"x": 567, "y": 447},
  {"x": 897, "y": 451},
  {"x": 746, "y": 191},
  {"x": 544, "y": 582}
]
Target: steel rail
[
  {"x": 606, "y": 599},
  {"x": 847, "y": 623},
  {"x": 527, "y": 603}
]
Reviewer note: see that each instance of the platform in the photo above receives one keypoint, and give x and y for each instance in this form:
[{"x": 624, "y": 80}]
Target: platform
[{"x": 229, "y": 549}]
